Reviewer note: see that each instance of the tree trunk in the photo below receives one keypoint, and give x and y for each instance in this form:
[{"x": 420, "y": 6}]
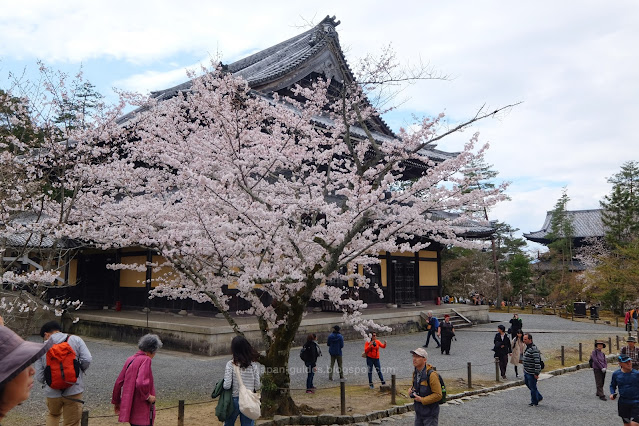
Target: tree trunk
[
  {"x": 496, "y": 266},
  {"x": 276, "y": 381}
]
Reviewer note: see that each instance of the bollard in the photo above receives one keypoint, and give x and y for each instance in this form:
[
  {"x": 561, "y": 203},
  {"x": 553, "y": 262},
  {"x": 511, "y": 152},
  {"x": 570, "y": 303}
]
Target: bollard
[
  {"x": 617, "y": 342},
  {"x": 497, "y": 369},
  {"x": 181, "y": 412},
  {"x": 581, "y": 354},
  {"x": 562, "y": 356},
  {"x": 342, "y": 396},
  {"x": 470, "y": 377},
  {"x": 609, "y": 345},
  {"x": 85, "y": 418},
  {"x": 393, "y": 389}
]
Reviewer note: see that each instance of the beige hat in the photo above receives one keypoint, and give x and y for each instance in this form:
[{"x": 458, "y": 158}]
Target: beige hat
[
  {"x": 16, "y": 354},
  {"x": 420, "y": 352}
]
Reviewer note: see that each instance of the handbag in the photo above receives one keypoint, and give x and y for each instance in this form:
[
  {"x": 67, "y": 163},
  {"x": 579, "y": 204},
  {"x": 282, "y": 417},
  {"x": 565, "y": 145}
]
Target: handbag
[{"x": 249, "y": 401}]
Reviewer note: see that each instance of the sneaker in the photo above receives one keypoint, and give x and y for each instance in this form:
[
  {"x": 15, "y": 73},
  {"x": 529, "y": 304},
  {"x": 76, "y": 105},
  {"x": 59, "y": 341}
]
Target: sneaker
[
  {"x": 310, "y": 391},
  {"x": 371, "y": 386},
  {"x": 517, "y": 375},
  {"x": 532, "y": 405},
  {"x": 383, "y": 383},
  {"x": 504, "y": 377}
]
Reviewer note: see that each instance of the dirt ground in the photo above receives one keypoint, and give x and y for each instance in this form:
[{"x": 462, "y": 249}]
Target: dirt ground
[{"x": 359, "y": 399}]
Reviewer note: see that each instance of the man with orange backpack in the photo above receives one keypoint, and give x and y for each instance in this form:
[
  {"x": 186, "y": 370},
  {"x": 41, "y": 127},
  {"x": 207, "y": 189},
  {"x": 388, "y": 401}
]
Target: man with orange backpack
[{"x": 61, "y": 370}]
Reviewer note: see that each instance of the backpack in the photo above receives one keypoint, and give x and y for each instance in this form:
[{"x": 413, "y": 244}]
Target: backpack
[
  {"x": 441, "y": 382},
  {"x": 305, "y": 354},
  {"x": 63, "y": 368}
]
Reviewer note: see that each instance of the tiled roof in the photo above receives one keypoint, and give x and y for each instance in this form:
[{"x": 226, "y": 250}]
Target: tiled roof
[
  {"x": 278, "y": 60},
  {"x": 586, "y": 224}
]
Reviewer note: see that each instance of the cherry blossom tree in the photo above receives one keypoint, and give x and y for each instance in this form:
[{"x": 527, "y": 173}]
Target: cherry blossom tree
[
  {"x": 274, "y": 196},
  {"x": 47, "y": 132}
]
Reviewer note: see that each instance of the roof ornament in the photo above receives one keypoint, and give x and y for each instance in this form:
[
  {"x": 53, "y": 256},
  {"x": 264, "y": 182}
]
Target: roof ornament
[{"x": 323, "y": 30}]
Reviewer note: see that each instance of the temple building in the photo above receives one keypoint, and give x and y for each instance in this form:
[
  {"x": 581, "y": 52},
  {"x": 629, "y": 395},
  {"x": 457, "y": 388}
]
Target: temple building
[{"x": 406, "y": 278}]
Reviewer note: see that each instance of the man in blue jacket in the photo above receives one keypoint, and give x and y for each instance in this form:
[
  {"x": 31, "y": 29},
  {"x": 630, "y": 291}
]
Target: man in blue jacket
[
  {"x": 627, "y": 380},
  {"x": 335, "y": 344},
  {"x": 432, "y": 326}
]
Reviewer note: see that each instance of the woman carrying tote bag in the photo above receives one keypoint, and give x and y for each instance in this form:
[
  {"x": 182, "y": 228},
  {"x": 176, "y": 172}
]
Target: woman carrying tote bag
[{"x": 242, "y": 372}]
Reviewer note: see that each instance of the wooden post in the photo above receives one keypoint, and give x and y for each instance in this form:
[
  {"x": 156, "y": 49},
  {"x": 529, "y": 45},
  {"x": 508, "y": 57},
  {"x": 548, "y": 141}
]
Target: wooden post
[
  {"x": 470, "y": 376},
  {"x": 181, "y": 412},
  {"x": 581, "y": 354},
  {"x": 496, "y": 369},
  {"x": 562, "y": 356},
  {"x": 342, "y": 396},
  {"x": 393, "y": 389},
  {"x": 617, "y": 342},
  {"x": 609, "y": 345},
  {"x": 616, "y": 321},
  {"x": 85, "y": 418}
]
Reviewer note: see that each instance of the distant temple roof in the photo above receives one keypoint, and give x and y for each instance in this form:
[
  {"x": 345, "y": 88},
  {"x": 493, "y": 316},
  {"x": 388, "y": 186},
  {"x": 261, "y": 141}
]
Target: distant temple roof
[{"x": 586, "y": 224}]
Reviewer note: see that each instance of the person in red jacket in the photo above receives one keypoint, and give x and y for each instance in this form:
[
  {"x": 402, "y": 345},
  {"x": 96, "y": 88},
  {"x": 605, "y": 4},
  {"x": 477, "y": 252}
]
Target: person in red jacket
[{"x": 371, "y": 350}]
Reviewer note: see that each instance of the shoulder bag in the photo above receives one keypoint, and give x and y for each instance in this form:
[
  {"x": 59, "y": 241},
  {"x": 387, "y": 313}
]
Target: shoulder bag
[{"x": 249, "y": 401}]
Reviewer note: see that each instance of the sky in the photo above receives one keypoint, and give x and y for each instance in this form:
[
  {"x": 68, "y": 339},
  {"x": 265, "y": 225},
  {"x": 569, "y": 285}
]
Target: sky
[{"x": 573, "y": 66}]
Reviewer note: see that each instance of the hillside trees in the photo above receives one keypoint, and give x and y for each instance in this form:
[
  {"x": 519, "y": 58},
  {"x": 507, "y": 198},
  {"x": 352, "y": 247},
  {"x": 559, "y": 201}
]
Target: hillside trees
[{"x": 273, "y": 197}]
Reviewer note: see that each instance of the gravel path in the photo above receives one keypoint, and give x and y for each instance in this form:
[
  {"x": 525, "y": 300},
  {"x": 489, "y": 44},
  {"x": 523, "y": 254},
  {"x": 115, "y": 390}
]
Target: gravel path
[
  {"x": 569, "y": 400},
  {"x": 192, "y": 377}
]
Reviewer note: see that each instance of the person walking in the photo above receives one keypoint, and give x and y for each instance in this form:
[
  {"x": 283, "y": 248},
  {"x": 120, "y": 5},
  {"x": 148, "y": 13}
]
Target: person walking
[
  {"x": 16, "y": 368},
  {"x": 426, "y": 390},
  {"x": 335, "y": 343},
  {"x": 447, "y": 332},
  {"x": 311, "y": 351},
  {"x": 635, "y": 318},
  {"x": 371, "y": 350},
  {"x": 599, "y": 365},
  {"x": 433, "y": 327},
  {"x": 134, "y": 396},
  {"x": 518, "y": 348},
  {"x": 532, "y": 369},
  {"x": 515, "y": 325},
  {"x": 502, "y": 349},
  {"x": 631, "y": 350},
  {"x": 626, "y": 379},
  {"x": 66, "y": 402},
  {"x": 627, "y": 320},
  {"x": 244, "y": 357}
]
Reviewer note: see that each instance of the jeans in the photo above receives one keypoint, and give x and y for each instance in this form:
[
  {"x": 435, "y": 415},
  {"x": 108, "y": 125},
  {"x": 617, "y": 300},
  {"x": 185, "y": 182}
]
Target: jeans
[
  {"x": 311, "y": 374},
  {"x": 374, "y": 362},
  {"x": 432, "y": 332},
  {"x": 531, "y": 382},
  {"x": 244, "y": 421},
  {"x": 636, "y": 322}
]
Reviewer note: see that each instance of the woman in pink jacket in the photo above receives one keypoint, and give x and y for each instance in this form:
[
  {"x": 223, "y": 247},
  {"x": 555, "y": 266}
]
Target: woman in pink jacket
[{"x": 134, "y": 392}]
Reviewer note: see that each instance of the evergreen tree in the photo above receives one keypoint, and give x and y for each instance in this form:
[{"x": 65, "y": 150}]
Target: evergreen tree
[
  {"x": 519, "y": 274},
  {"x": 562, "y": 233},
  {"x": 621, "y": 207}
]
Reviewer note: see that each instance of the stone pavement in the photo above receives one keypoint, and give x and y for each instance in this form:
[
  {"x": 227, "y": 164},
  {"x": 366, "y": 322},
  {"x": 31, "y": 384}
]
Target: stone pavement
[{"x": 191, "y": 377}]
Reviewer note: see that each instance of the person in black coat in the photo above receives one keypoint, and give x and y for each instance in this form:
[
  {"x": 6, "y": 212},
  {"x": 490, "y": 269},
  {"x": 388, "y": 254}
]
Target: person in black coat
[
  {"x": 515, "y": 325},
  {"x": 502, "y": 349},
  {"x": 310, "y": 352}
]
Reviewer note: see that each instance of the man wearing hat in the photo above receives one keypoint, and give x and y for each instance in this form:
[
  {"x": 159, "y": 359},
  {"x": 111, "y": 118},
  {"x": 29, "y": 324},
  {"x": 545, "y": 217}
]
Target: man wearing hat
[
  {"x": 426, "y": 390},
  {"x": 627, "y": 381},
  {"x": 335, "y": 343},
  {"x": 599, "y": 365},
  {"x": 632, "y": 352},
  {"x": 16, "y": 368}
]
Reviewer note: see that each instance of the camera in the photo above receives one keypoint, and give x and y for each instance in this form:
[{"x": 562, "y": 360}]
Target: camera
[
  {"x": 411, "y": 394},
  {"x": 374, "y": 344}
]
